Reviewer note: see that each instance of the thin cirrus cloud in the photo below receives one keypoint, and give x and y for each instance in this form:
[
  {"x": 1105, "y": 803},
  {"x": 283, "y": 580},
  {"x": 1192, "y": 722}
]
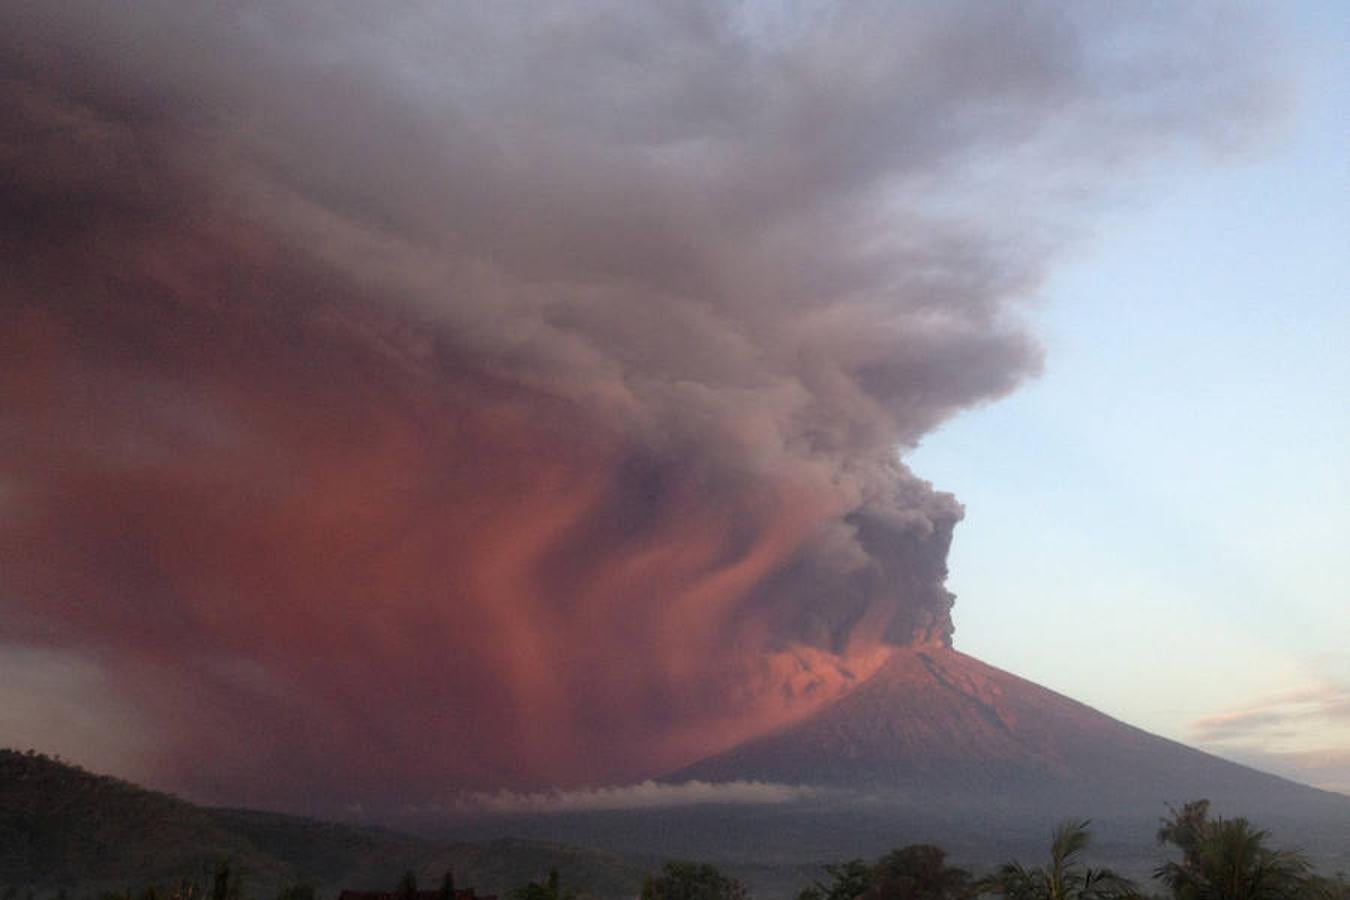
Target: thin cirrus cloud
[
  {"x": 476, "y": 396},
  {"x": 1311, "y": 715},
  {"x": 1301, "y": 734}
]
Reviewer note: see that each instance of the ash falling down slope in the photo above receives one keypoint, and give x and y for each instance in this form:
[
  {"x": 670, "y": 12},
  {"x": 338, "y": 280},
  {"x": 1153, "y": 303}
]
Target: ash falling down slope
[{"x": 401, "y": 401}]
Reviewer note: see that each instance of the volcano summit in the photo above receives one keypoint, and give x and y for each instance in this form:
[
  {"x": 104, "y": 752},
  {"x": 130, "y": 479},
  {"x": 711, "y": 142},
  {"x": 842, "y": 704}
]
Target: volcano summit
[{"x": 936, "y": 725}]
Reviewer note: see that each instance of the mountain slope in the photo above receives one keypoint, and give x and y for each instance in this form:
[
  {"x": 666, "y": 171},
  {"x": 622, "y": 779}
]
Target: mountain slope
[
  {"x": 939, "y": 747},
  {"x": 937, "y": 724},
  {"x": 61, "y": 826}
]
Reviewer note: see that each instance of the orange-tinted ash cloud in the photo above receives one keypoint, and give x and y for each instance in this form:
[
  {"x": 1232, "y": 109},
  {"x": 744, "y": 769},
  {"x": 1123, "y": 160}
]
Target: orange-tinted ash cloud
[{"x": 393, "y": 405}]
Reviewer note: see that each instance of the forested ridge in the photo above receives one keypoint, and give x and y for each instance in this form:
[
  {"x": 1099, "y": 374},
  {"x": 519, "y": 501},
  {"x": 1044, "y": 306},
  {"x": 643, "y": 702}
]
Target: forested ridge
[{"x": 68, "y": 834}]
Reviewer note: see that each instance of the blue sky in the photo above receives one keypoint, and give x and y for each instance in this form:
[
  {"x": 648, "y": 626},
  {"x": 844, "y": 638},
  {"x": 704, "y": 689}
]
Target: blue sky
[{"x": 1158, "y": 525}]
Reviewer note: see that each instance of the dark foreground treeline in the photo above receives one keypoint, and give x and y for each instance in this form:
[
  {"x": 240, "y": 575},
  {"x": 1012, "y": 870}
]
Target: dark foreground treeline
[
  {"x": 1205, "y": 858},
  {"x": 1209, "y": 859},
  {"x": 67, "y": 834}
]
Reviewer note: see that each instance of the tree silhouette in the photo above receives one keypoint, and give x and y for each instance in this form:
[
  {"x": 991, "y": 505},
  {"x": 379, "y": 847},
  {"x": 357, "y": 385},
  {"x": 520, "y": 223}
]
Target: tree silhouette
[
  {"x": 918, "y": 872},
  {"x": 550, "y": 889},
  {"x": 1322, "y": 887},
  {"x": 1226, "y": 859},
  {"x": 692, "y": 881},
  {"x": 848, "y": 880},
  {"x": 407, "y": 887},
  {"x": 225, "y": 882},
  {"x": 1184, "y": 828},
  {"x": 1065, "y": 878}
]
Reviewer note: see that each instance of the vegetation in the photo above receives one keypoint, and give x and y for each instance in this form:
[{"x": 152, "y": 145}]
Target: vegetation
[
  {"x": 548, "y": 889},
  {"x": 65, "y": 829},
  {"x": 1227, "y": 859},
  {"x": 407, "y": 887},
  {"x": 919, "y": 872},
  {"x": 848, "y": 880},
  {"x": 226, "y": 884},
  {"x": 1064, "y": 877},
  {"x": 68, "y": 835},
  {"x": 1321, "y": 888},
  {"x": 692, "y": 881},
  {"x": 916, "y": 872}
]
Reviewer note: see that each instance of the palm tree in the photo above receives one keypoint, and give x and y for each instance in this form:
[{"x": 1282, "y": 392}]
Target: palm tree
[
  {"x": 1184, "y": 828},
  {"x": 1227, "y": 859},
  {"x": 848, "y": 880},
  {"x": 1064, "y": 878}
]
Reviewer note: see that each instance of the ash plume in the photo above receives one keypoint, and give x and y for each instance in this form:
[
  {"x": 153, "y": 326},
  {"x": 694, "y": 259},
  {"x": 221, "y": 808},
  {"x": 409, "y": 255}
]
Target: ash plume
[{"x": 399, "y": 400}]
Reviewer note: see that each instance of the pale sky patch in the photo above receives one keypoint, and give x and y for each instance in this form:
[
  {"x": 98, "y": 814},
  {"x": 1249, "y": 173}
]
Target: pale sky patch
[
  {"x": 1303, "y": 734},
  {"x": 1167, "y": 505},
  {"x": 61, "y": 703},
  {"x": 1311, "y": 719}
]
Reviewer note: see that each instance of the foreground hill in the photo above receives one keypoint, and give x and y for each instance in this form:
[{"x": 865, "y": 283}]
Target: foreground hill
[{"x": 62, "y": 827}]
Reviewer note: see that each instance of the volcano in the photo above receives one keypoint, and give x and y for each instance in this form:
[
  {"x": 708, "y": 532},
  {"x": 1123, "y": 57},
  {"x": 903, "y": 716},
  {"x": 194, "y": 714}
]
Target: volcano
[
  {"x": 938, "y": 726},
  {"x": 939, "y": 747}
]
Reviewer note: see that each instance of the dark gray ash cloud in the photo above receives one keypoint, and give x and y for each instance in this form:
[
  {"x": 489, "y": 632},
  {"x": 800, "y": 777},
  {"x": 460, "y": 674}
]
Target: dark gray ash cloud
[{"x": 405, "y": 398}]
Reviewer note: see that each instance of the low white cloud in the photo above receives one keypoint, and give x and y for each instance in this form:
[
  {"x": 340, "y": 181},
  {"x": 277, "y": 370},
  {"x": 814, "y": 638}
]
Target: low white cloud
[{"x": 646, "y": 795}]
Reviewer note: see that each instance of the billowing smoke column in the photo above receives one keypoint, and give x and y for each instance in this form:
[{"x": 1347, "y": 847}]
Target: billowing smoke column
[{"x": 396, "y": 400}]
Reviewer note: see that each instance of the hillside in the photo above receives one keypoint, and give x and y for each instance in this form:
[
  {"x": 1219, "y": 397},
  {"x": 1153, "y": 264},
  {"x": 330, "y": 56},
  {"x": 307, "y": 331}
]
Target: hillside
[
  {"x": 940, "y": 747},
  {"x": 63, "y": 827},
  {"x": 937, "y": 724},
  {"x": 936, "y": 747}
]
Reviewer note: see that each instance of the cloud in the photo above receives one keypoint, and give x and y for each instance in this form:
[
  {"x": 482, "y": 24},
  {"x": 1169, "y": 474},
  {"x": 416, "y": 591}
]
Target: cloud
[
  {"x": 1303, "y": 734},
  {"x": 1326, "y": 704},
  {"x": 458, "y": 397},
  {"x": 646, "y": 795}
]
